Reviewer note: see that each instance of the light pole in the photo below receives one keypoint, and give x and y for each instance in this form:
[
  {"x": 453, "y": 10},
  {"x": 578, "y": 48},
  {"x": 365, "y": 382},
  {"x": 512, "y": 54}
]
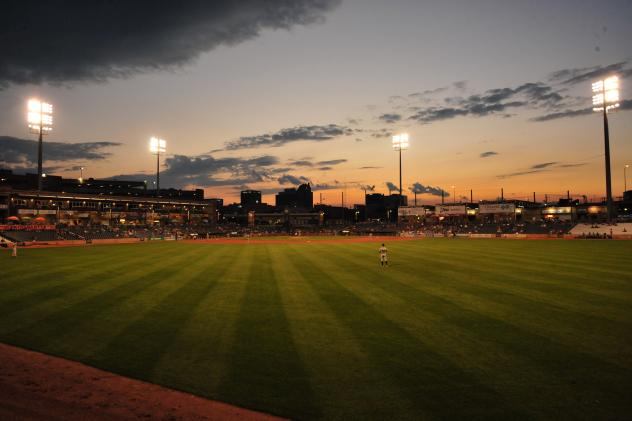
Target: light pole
[
  {"x": 453, "y": 194},
  {"x": 625, "y": 178},
  {"x": 400, "y": 142},
  {"x": 40, "y": 121},
  {"x": 606, "y": 98},
  {"x": 157, "y": 146},
  {"x": 81, "y": 174}
]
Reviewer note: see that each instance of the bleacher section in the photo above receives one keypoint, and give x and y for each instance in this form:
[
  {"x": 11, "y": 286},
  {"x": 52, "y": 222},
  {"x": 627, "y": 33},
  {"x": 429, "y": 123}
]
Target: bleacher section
[
  {"x": 623, "y": 228},
  {"x": 24, "y": 236}
]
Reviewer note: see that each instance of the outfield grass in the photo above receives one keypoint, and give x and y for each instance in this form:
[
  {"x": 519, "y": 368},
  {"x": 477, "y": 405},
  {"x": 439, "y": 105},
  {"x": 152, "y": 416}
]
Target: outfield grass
[{"x": 453, "y": 329}]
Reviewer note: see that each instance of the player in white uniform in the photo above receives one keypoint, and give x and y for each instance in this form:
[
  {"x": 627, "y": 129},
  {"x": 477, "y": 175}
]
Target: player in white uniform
[
  {"x": 383, "y": 255},
  {"x": 14, "y": 252}
]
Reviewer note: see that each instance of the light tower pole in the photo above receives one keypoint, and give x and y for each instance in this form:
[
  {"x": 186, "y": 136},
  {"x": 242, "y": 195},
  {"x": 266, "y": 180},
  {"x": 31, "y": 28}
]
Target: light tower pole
[
  {"x": 400, "y": 142},
  {"x": 40, "y": 121},
  {"x": 625, "y": 178},
  {"x": 157, "y": 146},
  {"x": 606, "y": 98}
]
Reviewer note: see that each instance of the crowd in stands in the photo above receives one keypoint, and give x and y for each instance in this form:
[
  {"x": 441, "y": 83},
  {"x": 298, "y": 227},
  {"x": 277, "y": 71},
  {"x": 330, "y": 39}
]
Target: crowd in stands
[{"x": 429, "y": 228}]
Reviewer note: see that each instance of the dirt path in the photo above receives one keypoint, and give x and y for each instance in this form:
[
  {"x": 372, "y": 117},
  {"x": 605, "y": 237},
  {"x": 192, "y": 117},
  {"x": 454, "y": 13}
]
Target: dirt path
[{"x": 35, "y": 386}]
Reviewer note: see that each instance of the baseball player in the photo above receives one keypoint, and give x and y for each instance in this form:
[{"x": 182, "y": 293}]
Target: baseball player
[{"x": 383, "y": 255}]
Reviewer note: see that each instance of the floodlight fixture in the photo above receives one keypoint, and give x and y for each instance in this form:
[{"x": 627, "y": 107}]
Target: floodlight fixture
[
  {"x": 605, "y": 94},
  {"x": 400, "y": 141},
  {"x": 157, "y": 146},
  {"x": 39, "y": 116}
]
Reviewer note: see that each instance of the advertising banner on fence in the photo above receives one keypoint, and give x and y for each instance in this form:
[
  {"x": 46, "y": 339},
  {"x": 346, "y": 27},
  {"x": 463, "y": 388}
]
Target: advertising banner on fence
[
  {"x": 27, "y": 227},
  {"x": 504, "y": 208},
  {"x": 450, "y": 210},
  {"x": 36, "y": 212},
  {"x": 411, "y": 211}
]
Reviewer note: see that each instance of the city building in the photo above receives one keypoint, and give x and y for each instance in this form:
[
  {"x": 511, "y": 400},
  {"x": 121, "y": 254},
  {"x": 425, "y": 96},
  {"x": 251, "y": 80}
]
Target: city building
[{"x": 295, "y": 198}]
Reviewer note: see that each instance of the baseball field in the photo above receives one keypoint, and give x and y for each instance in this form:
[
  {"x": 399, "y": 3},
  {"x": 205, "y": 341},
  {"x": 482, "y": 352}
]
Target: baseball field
[{"x": 452, "y": 329}]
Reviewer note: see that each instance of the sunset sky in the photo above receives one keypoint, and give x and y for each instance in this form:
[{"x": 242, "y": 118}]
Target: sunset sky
[{"x": 266, "y": 95}]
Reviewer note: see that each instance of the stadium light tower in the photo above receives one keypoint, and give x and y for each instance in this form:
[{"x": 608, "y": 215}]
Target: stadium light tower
[
  {"x": 157, "y": 146},
  {"x": 606, "y": 98},
  {"x": 400, "y": 142},
  {"x": 40, "y": 120},
  {"x": 625, "y": 177}
]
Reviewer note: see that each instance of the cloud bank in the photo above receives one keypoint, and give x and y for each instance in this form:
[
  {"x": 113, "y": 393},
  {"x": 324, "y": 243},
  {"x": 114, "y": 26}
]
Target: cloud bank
[
  {"x": 16, "y": 153},
  {"x": 69, "y": 41}
]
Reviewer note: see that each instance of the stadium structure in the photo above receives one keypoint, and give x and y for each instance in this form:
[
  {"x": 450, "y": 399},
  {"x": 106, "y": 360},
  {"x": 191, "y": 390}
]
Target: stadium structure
[{"x": 92, "y": 209}]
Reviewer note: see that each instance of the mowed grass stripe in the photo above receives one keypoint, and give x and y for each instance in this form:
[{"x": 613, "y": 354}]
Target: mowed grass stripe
[
  {"x": 55, "y": 318},
  {"x": 549, "y": 255},
  {"x": 200, "y": 352},
  {"x": 30, "y": 266},
  {"x": 540, "y": 285},
  {"x": 265, "y": 364},
  {"x": 320, "y": 331},
  {"x": 141, "y": 344},
  {"x": 102, "y": 326},
  {"x": 76, "y": 288},
  {"x": 424, "y": 380},
  {"x": 543, "y": 358},
  {"x": 508, "y": 299},
  {"x": 327, "y": 344}
]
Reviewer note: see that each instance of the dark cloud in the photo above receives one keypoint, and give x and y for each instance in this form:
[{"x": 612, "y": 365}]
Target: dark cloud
[
  {"x": 589, "y": 74},
  {"x": 326, "y": 186},
  {"x": 419, "y": 188},
  {"x": 493, "y": 101},
  {"x": 332, "y": 162},
  {"x": 207, "y": 171},
  {"x": 22, "y": 153},
  {"x": 551, "y": 96},
  {"x": 391, "y": 187},
  {"x": 427, "y": 92},
  {"x": 390, "y": 118},
  {"x": 541, "y": 167},
  {"x": 488, "y": 154},
  {"x": 301, "y": 163},
  {"x": 381, "y": 133},
  {"x": 367, "y": 187},
  {"x": 290, "y": 179},
  {"x": 563, "y": 114},
  {"x": 325, "y": 168},
  {"x": 295, "y": 134},
  {"x": 579, "y": 164},
  {"x": 324, "y": 165},
  {"x": 369, "y": 168},
  {"x": 460, "y": 85},
  {"x": 624, "y": 105},
  {"x": 515, "y": 174},
  {"x": 60, "y": 42}
]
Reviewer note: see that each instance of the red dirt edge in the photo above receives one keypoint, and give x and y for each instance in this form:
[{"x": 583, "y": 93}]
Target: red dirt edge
[{"x": 35, "y": 386}]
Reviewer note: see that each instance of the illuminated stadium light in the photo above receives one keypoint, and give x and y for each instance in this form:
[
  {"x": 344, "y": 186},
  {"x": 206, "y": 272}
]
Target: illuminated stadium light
[
  {"x": 605, "y": 94},
  {"x": 606, "y": 98},
  {"x": 400, "y": 141},
  {"x": 39, "y": 117},
  {"x": 157, "y": 146}
]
